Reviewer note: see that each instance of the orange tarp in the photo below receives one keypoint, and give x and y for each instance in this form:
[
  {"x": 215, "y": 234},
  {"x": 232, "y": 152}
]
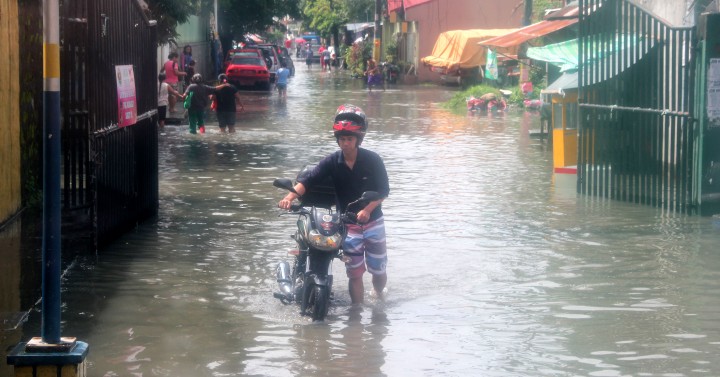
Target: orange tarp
[{"x": 460, "y": 49}]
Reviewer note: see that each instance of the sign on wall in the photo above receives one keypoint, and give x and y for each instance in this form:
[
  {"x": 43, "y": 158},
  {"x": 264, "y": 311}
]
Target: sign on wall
[{"x": 127, "y": 104}]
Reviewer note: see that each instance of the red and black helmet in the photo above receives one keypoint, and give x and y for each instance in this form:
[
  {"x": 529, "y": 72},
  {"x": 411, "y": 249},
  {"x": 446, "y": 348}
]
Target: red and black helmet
[{"x": 350, "y": 120}]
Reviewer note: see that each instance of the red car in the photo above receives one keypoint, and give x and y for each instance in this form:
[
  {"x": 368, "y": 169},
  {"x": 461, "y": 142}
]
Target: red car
[{"x": 247, "y": 68}]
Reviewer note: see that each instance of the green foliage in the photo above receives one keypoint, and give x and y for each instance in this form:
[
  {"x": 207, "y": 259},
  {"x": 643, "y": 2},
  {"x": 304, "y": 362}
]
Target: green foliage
[
  {"x": 276, "y": 37},
  {"x": 356, "y": 56},
  {"x": 239, "y": 17},
  {"x": 457, "y": 102},
  {"x": 360, "y": 10},
  {"x": 391, "y": 50},
  {"x": 539, "y": 7},
  {"x": 325, "y": 16},
  {"x": 169, "y": 14},
  {"x": 537, "y": 76}
]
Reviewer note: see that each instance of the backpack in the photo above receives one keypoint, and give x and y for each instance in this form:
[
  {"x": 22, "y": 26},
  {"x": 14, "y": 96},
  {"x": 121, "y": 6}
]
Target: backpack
[{"x": 188, "y": 100}]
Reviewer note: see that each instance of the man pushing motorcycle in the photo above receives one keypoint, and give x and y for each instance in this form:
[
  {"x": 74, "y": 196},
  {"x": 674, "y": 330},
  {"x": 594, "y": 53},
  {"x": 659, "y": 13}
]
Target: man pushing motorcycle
[{"x": 354, "y": 170}]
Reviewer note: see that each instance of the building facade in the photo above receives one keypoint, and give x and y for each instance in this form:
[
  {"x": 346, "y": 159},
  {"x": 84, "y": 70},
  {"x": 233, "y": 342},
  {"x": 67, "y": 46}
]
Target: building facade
[{"x": 428, "y": 18}]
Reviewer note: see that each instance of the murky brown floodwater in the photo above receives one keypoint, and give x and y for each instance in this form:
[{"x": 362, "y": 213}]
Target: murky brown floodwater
[{"x": 496, "y": 268}]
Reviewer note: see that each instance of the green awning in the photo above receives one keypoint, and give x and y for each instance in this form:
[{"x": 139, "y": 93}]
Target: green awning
[{"x": 565, "y": 54}]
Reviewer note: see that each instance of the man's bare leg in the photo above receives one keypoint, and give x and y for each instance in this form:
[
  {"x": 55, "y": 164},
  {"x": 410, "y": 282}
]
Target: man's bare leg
[
  {"x": 356, "y": 288},
  {"x": 379, "y": 282}
]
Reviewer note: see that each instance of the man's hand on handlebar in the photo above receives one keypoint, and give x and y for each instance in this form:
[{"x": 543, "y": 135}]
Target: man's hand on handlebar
[
  {"x": 363, "y": 216},
  {"x": 286, "y": 202}
]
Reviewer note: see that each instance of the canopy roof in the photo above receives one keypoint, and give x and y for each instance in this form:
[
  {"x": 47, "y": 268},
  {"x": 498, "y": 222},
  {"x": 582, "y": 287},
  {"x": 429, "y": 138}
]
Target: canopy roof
[
  {"x": 565, "y": 54},
  {"x": 567, "y": 81},
  {"x": 460, "y": 49},
  {"x": 528, "y": 32},
  {"x": 553, "y": 22}
]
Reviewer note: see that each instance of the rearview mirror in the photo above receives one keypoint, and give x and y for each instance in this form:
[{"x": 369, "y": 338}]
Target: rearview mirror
[
  {"x": 370, "y": 196},
  {"x": 284, "y": 183}
]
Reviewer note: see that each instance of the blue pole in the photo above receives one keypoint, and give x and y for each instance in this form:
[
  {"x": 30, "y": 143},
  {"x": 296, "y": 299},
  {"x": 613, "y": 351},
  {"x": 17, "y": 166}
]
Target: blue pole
[{"x": 50, "y": 326}]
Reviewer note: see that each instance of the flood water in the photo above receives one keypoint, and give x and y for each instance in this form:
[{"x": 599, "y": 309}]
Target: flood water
[{"x": 496, "y": 267}]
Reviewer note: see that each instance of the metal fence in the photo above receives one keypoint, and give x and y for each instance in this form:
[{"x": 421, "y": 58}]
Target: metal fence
[
  {"x": 110, "y": 174},
  {"x": 636, "y": 130}
]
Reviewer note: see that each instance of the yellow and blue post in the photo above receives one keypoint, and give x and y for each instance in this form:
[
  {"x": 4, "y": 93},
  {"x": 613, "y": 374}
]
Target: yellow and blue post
[
  {"x": 377, "y": 35},
  {"x": 50, "y": 355}
]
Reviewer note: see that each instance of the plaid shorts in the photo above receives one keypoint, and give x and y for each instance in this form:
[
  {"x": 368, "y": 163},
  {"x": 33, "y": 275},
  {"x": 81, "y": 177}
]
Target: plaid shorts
[{"x": 365, "y": 245}]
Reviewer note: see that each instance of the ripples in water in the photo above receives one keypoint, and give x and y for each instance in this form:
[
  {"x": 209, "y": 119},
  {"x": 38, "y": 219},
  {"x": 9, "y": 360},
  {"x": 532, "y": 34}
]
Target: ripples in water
[{"x": 495, "y": 269}]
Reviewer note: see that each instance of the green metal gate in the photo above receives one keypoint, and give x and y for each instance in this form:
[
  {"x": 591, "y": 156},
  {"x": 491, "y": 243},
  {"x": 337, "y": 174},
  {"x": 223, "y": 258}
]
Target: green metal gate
[
  {"x": 110, "y": 174},
  {"x": 637, "y": 130}
]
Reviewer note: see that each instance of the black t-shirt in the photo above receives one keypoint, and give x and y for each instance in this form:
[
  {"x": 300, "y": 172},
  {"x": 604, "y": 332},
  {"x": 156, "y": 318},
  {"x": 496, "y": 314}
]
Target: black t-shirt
[
  {"x": 226, "y": 99},
  {"x": 368, "y": 174},
  {"x": 200, "y": 98}
]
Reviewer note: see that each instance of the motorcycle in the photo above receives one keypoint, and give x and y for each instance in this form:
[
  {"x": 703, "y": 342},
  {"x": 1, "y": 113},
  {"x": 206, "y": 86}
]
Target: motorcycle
[
  {"x": 390, "y": 72},
  {"x": 319, "y": 237}
]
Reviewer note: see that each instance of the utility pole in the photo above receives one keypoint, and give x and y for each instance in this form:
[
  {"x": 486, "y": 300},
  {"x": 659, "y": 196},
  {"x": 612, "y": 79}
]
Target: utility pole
[
  {"x": 527, "y": 18},
  {"x": 51, "y": 177},
  {"x": 378, "y": 32},
  {"x": 50, "y": 352}
]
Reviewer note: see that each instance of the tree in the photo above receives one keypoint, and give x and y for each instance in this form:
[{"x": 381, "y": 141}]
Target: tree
[
  {"x": 360, "y": 10},
  {"x": 235, "y": 19},
  {"x": 325, "y": 15},
  {"x": 168, "y": 14},
  {"x": 252, "y": 16}
]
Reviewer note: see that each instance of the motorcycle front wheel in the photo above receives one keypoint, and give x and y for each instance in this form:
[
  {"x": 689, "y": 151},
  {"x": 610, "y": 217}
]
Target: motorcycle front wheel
[{"x": 319, "y": 302}]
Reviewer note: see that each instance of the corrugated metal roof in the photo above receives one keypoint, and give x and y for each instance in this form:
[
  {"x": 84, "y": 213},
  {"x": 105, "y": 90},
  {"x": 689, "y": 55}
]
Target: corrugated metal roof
[
  {"x": 566, "y": 81},
  {"x": 529, "y": 32}
]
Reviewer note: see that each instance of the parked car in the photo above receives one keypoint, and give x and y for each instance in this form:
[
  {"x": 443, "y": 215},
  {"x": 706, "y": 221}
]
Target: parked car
[
  {"x": 231, "y": 53},
  {"x": 248, "y": 68},
  {"x": 272, "y": 59},
  {"x": 287, "y": 58}
]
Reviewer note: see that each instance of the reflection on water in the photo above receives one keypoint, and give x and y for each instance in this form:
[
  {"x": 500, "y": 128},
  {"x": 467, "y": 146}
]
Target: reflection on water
[{"x": 496, "y": 268}]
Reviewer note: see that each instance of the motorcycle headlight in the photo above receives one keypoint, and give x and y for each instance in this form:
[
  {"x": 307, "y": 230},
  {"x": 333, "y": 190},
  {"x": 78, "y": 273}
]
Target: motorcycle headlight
[{"x": 325, "y": 243}]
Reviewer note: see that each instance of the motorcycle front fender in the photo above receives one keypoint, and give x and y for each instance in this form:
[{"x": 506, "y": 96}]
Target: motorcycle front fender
[{"x": 319, "y": 280}]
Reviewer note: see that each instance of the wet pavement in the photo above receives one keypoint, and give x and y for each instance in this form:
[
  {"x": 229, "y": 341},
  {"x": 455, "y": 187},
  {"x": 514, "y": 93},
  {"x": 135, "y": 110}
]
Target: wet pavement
[{"x": 496, "y": 267}]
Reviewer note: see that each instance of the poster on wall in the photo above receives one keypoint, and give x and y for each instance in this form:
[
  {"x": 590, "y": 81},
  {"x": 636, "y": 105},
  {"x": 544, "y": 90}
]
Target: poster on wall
[
  {"x": 713, "y": 96},
  {"x": 127, "y": 109}
]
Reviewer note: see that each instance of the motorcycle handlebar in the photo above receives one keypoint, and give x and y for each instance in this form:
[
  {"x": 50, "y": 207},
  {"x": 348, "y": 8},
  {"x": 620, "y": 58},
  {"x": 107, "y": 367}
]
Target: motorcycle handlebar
[{"x": 350, "y": 217}]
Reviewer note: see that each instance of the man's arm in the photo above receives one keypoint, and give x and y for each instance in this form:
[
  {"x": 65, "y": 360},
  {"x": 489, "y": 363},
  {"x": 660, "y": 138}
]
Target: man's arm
[
  {"x": 364, "y": 214},
  {"x": 286, "y": 202},
  {"x": 383, "y": 189}
]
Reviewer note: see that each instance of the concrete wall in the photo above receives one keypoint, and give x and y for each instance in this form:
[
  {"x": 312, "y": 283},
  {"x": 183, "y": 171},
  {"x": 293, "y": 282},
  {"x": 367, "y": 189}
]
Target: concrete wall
[
  {"x": 438, "y": 16},
  {"x": 10, "y": 194},
  {"x": 675, "y": 12},
  {"x": 196, "y": 33}
]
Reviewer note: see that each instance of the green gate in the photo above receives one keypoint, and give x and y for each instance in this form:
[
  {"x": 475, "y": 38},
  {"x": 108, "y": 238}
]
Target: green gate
[
  {"x": 636, "y": 128},
  {"x": 707, "y": 165}
]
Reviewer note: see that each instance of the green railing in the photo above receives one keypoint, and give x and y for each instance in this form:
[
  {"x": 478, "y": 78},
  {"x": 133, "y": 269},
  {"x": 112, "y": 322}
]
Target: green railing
[{"x": 635, "y": 140}]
